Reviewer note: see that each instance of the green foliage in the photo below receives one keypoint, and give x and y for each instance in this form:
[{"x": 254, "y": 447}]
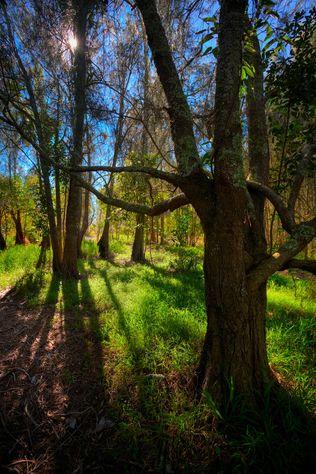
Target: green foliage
[
  {"x": 186, "y": 259},
  {"x": 150, "y": 323},
  {"x": 291, "y": 85},
  {"x": 16, "y": 262},
  {"x": 181, "y": 227}
]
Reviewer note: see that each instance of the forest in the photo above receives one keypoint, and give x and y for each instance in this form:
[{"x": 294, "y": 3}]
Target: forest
[{"x": 157, "y": 236}]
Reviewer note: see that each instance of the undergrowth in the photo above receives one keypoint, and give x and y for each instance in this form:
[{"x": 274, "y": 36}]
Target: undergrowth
[{"x": 150, "y": 321}]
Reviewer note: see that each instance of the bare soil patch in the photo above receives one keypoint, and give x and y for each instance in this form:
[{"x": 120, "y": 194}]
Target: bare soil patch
[{"x": 54, "y": 415}]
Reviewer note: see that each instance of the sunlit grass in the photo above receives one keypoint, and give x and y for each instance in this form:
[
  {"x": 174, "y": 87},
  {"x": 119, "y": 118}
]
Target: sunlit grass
[
  {"x": 150, "y": 322},
  {"x": 16, "y": 262}
]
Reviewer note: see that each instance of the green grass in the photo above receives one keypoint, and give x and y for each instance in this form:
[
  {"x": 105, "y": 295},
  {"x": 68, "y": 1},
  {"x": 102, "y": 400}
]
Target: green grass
[
  {"x": 150, "y": 319},
  {"x": 291, "y": 334},
  {"x": 16, "y": 262}
]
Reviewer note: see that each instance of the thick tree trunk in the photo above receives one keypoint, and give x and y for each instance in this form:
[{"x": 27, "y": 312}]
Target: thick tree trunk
[
  {"x": 234, "y": 352},
  {"x": 231, "y": 350},
  {"x": 138, "y": 251}
]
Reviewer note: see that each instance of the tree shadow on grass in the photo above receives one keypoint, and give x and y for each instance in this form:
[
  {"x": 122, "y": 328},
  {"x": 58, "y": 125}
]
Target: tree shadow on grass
[
  {"x": 83, "y": 380},
  {"x": 25, "y": 353}
]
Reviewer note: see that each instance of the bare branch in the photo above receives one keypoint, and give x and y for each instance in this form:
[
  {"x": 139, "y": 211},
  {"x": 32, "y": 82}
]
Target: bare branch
[
  {"x": 169, "y": 177},
  {"x": 169, "y": 205},
  {"x": 306, "y": 265},
  {"x": 286, "y": 218},
  {"x": 301, "y": 236}
]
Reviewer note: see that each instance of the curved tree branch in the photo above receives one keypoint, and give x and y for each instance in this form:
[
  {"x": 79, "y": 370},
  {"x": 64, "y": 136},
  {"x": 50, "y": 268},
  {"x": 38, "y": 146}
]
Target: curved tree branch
[
  {"x": 301, "y": 236},
  {"x": 306, "y": 265},
  {"x": 169, "y": 177},
  {"x": 286, "y": 218},
  {"x": 165, "y": 206}
]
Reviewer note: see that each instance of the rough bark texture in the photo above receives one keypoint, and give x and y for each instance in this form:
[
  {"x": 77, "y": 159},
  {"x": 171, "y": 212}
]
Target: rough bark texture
[
  {"x": 73, "y": 215},
  {"x": 229, "y": 348},
  {"x": 306, "y": 265},
  {"x": 179, "y": 111}
]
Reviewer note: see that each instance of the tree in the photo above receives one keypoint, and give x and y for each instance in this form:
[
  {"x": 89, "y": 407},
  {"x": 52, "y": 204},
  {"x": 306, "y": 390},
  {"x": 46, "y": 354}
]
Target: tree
[
  {"x": 236, "y": 271},
  {"x": 4, "y": 207},
  {"x": 80, "y": 24}
]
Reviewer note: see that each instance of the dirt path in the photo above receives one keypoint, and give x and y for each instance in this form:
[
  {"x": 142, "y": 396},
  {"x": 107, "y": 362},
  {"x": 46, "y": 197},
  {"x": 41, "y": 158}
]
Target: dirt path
[{"x": 52, "y": 402}]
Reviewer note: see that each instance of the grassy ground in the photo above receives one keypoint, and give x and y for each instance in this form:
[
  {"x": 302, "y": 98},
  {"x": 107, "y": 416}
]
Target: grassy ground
[{"x": 147, "y": 324}]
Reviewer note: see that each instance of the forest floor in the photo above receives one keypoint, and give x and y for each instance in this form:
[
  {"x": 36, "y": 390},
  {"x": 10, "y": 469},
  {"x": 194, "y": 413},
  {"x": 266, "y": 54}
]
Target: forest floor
[{"x": 95, "y": 374}]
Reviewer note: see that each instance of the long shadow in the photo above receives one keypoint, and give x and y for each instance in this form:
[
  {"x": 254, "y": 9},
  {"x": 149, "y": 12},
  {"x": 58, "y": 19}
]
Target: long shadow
[
  {"x": 124, "y": 327},
  {"x": 23, "y": 358},
  {"x": 187, "y": 289},
  {"x": 82, "y": 377}
]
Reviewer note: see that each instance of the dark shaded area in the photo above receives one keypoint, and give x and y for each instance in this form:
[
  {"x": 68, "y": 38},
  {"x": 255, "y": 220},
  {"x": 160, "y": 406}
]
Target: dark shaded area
[{"x": 58, "y": 408}]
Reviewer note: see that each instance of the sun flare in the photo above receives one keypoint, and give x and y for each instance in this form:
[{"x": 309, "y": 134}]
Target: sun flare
[{"x": 72, "y": 41}]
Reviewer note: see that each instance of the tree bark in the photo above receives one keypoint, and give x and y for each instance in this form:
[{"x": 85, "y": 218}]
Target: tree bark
[
  {"x": 73, "y": 215},
  {"x": 55, "y": 242},
  {"x": 3, "y": 244},
  {"x": 138, "y": 250},
  {"x": 233, "y": 354},
  {"x": 19, "y": 234},
  {"x": 104, "y": 241},
  {"x": 230, "y": 351}
]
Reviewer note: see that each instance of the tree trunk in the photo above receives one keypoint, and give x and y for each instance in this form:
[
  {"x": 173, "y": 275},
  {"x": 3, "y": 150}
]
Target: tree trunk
[
  {"x": 85, "y": 220},
  {"x": 234, "y": 351},
  {"x": 162, "y": 230},
  {"x": 104, "y": 241},
  {"x": 74, "y": 197},
  {"x": 19, "y": 235},
  {"x": 3, "y": 244},
  {"x": 47, "y": 191},
  {"x": 138, "y": 251},
  {"x": 45, "y": 244},
  {"x": 58, "y": 210}
]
